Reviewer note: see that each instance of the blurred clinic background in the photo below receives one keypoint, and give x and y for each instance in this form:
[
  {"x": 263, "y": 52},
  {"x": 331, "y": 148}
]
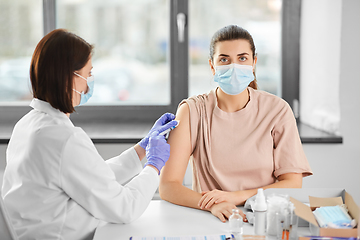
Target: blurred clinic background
[
  {"x": 143, "y": 63},
  {"x": 131, "y": 41}
]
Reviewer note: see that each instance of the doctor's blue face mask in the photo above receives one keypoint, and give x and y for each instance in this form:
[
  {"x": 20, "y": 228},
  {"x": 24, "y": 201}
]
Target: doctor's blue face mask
[
  {"x": 233, "y": 78},
  {"x": 84, "y": 97}
]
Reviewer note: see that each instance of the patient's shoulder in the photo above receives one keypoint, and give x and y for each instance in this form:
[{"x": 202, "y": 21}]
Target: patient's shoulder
[
  {"x": 200, "y": 104},
  {"x": 206, "y": 98}
]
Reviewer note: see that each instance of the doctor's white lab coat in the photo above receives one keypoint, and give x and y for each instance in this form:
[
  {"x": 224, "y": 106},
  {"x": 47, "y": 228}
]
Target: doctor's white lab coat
[{"x": 57, "y": 186}]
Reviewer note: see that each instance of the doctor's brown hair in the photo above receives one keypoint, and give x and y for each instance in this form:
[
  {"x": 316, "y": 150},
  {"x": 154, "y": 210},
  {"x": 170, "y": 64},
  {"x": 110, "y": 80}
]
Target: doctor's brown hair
[
  {"x": 53, "y": 63},
  {"x": 233, "y": 32}
]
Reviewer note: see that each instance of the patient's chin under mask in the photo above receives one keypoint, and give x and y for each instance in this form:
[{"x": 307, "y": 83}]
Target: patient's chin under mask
[{"x": 233, "y": 78}]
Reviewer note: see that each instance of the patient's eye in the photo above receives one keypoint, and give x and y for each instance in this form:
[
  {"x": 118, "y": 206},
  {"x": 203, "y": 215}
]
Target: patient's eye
[
  {"x": 223, "y": 60},
  {"x": 242, "y": 59}
]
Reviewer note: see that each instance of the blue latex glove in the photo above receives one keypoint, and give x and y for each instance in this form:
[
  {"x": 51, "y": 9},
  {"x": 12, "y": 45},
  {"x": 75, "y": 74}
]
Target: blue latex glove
[
  {"x": 157, "y": 151},
  {"x": 163, "y": 123}
]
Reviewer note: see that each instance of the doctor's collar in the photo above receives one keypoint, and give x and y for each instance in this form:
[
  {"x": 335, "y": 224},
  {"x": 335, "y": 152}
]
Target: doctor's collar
[{"x": 43, "y": 106}]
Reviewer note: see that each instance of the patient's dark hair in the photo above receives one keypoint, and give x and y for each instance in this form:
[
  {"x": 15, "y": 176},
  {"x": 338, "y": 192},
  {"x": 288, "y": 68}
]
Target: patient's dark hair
[
  {"x": 53, "y": 63},
  {"x": 233, "y": 32}
]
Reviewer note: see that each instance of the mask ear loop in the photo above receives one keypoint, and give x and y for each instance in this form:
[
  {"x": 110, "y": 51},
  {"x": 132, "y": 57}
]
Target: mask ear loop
[
  {"x": 76, "y": 91},
  {"x": 80, "y": 76},
  {"x": 86, "y": 83}
]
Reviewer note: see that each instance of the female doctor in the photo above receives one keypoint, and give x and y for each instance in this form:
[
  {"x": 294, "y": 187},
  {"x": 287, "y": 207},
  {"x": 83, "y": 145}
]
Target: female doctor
[{"x": 56, "y": 185}]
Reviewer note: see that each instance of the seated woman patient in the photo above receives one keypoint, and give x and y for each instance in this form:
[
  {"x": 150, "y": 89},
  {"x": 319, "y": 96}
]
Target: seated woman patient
[{"x": 237, "y": 138}]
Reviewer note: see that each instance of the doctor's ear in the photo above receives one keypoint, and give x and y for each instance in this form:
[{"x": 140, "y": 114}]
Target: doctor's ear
[{"x": 212, "y": 67}]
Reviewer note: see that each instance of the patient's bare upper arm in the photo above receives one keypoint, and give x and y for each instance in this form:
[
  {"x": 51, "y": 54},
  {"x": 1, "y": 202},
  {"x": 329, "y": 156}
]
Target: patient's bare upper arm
[{"x": 180, "y": 148}]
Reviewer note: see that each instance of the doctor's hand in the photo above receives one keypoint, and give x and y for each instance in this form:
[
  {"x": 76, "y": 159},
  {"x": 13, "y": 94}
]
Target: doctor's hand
[
  {"x": 157, "y": 151},
  {"x": 163, "y": 123}
]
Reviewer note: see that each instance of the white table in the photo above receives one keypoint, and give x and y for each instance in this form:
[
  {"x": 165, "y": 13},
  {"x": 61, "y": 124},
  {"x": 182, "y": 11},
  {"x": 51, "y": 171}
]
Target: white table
[{"x": 162, "y": 218}]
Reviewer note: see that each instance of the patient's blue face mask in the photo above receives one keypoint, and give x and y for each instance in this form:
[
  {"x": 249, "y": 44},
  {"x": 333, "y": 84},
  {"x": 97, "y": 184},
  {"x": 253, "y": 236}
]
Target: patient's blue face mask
[
  {"x": 233, "y": 78},
  {"x": 84, "y": 97}
]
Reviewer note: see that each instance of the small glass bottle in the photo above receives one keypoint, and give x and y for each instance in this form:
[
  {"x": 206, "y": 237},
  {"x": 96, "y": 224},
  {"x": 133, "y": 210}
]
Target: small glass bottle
[{"x": 236, "y": 223}]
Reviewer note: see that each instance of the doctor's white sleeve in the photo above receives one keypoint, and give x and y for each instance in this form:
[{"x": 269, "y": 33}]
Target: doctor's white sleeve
[
  {"x": 89, "y": 181},
  {"x": 126, "y": 165}
]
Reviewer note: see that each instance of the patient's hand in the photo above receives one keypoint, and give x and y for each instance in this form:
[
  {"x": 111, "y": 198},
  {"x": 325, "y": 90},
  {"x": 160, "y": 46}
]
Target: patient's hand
[
  {"x": 224, "y": 210},
  {"x": 210, "y": 198},
  {"x": 215, "y": 196}
]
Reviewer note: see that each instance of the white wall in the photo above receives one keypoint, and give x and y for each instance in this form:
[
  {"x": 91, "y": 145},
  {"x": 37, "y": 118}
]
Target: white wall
[
  {"x": 320, "y": 50},
  {"x": 338, "y": 165},
  {"x": 334, "y": 165}
]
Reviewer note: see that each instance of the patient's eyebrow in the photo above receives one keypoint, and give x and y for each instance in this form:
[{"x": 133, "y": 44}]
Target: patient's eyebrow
[
  {"x": 225, "y": 55},
  {"x": 241, "y": 54}
]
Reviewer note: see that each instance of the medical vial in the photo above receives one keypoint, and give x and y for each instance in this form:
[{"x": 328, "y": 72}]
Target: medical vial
[
  {"x": 236, "y": 224},
  {"x": 260, "y": 208}
]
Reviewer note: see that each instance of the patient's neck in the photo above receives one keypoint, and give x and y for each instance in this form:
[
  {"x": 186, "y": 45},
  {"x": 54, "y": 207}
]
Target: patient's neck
[{"x": 232, "y": 103}]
